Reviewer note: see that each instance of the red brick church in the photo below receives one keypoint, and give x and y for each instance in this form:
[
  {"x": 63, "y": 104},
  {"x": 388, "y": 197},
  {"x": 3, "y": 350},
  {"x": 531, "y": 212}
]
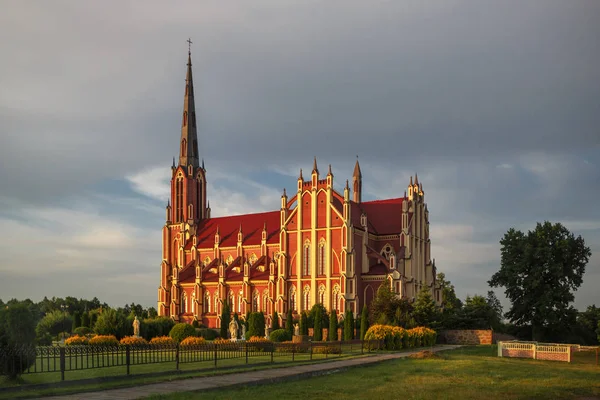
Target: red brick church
[{"x": 321, "y": 246}]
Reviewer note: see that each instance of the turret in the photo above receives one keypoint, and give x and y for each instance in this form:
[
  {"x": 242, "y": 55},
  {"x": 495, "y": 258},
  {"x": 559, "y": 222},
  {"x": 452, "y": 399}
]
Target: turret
[
  {"x": 314, "y": 176},
  {"x": 357, "y": 183}
]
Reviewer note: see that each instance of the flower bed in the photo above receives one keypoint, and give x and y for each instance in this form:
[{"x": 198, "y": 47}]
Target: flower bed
[
  {"x": 162, "y": 340},
  {"x": 193, "y": 341},
  {"x": 76, "y": 341},
  {"x": 104, "y": 340},
  {"x": 396, "y": 338},
  {"x": 133, "y": 340}
]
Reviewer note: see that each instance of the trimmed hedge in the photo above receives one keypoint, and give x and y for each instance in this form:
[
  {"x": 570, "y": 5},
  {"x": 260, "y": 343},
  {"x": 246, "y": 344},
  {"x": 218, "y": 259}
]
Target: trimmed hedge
[
  {"x": 396, "y": 338},
  {"x": 280, "y": 335},
  {"x": 206, "y": 333},
  {"x": 181, "y": 331},
  {"x": 104, "y": 340}
]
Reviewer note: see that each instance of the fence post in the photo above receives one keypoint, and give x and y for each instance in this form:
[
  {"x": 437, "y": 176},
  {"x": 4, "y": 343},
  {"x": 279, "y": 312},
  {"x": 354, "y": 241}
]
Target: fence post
[
  {"x": 499, "y": 349},
  {"x": 534, "y": 352},
  {"x": 362, "y": 346},
  {"x": 246, "y": 346},
  {"x": 311, "y": 350},
  {"x": 177, "y": 357},
  {"x": 62, "y": 363},
  {"x": 127, "y": 357},
  {"x": 215, "y": 355}
]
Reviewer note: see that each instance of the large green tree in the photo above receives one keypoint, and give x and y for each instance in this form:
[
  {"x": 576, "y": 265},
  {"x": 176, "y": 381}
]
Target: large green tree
[
  {"x": 225, "y": 320},
  {"x": 364, "y": 322},
  {"x": 425, "y": 311},
  {"x": 289, "y": 323},
  {"x": 539, "y": 271}
]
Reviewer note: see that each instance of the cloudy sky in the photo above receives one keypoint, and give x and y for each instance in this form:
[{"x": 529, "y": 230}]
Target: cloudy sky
[{"x": 496, "y": 105}]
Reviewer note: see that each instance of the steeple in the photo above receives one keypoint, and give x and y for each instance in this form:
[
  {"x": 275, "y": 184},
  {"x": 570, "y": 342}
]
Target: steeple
[
  {"x": 188, "y": 145},
  {"x": 357, "y": 183},
  {"x": 315, "y": 169}
]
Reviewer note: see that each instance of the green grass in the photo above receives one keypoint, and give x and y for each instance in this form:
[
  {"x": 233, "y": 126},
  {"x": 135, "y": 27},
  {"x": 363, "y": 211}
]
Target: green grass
[
  {"x": 466, "y": 373},
  {"x": 166, "y": 370}
]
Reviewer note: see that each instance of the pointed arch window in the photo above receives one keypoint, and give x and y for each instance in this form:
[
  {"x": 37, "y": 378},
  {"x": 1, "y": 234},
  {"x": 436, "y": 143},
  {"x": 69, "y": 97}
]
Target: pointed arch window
[
  {"x": 216, "y": 303},
  {"x": 185, "y": 117},
  {"x": 293, "y": 298},
  {"x": 240, "y": 298},
  {"x": 193, "y": 302},
  {"x": 255, "y": 302},
  {"x": 322, "y": 294},
  {"x": 322, "y": 259},
  {"x": 179, "y": 199},
  {"x": 232, "y": 301},
  {"x": 306, "y": 296},
  {"x": 306, "y": 269},
  {"x": 266, "y": 303},
  {"x": 207, "y": 303},
  {"x": 335, "y": 298},
  {"x": 183, "y": 303}
]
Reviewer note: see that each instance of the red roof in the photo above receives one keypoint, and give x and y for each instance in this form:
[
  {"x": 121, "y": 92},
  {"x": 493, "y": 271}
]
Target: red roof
[
  {"x": 252, "y": 227},
  {"x": 383, "y": 216},
  {"x": 188, "y": 273}
]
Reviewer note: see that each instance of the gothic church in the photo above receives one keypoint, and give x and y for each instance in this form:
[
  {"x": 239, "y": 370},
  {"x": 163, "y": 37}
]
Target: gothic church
[{"x": 321, "y": 246}]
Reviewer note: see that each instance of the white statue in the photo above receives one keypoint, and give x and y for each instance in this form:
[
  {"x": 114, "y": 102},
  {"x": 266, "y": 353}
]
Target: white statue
[
  {"x": 296, "y": 330},
  {"x": 233, "y": 330},
  {"x": 243, "y": 331},
  {"x": 136, "y": 327}
]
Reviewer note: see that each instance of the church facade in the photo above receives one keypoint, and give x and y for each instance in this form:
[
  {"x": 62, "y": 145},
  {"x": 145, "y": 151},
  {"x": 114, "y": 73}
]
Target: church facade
[{"x": 321, "y": 246}]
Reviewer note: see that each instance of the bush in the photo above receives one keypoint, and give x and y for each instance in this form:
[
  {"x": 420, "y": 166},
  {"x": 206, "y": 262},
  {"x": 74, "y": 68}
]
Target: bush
[
  {"x": 280, "y": 335},
  {"x": 256, "y": 325},
  {"x": 332, "y": 333},
  {"x": 327, "y": 349},
  {"x": 289, "y": 323},
  {"x": 318, "y": 323},
  {"x": 163, "y": 340},
  {"x": 206, "y": 333},
  {"x": 364, "y": 322},
  {"x": 349, "y": 326},
  {"x": 133, "y": 340},
  {"x": 104, "y": 340},
  {"x": 107, "y": 322},
  {"x": 85, "y": 320},
  {"x": 76, "y": 341},
  {"x": 225, "y": 319},
  {"x": 82, "y": 331},
  {"x": 155, "y": 327},
  {"x": 396, "y": 338},
  {"x": 17, "y": 328},
  {"x": 275, "y": 321},
  {"x": 193, "y": 341},
  {"x": 181, "y": 331},
  {"x": 304, "y": 324},
  {"x": 53, "y": 323}
]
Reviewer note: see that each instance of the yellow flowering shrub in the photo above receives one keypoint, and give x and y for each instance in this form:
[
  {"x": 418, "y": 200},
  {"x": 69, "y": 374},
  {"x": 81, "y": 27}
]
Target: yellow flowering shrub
[
  {"x": 76, "y": 341},
  {"x": 226, "y": 344},
  {"x": 133, "y": 340},
  {"x": 104, "y": 340},
  {"x": 193, "y": 341},
  {"x": 396, "y": 338},
  {"x": 258, "y": 339},
  {"x": 162, "y": 340}
]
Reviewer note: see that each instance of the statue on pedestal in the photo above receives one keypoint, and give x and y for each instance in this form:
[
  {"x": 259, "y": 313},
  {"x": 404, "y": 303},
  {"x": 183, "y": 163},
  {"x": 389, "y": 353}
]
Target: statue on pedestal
[
  {"x": 233, "y": 330},
  {"x": 296, "y": 330},
  {"x": 136, "y": 327},
  {"x": 243, "y": 331}
]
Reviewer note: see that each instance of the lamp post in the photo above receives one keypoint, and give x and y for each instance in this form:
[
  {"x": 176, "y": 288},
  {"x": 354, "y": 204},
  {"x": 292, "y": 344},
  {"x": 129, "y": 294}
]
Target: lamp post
[{"x": 63, "y": 307}]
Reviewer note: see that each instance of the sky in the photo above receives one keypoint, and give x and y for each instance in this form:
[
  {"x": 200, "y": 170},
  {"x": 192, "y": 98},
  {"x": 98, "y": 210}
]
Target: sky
[{"x": 496, "y": 106}]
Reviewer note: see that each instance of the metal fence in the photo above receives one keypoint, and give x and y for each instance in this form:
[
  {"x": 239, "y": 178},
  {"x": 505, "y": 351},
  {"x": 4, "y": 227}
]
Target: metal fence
[{"x": 54, "y": 359}]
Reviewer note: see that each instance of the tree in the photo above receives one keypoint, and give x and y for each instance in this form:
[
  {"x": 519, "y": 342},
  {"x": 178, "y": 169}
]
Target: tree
[
  {"x": 107, "y": 322},
  {"x": 289, "y": 323},
  {"x": 76, "y": 320},
  {"x": 225, "y": 319},
  {"x": 495, "y": 310},
  {"x": 450, "y": 303},
  {"x": 17, "y": 328},
  {"x": 152, "y": 313},
  {"x": 51, "y": 325},
  {"x": 349, "y": 325},
  {"x": 322, "y": 312},
  {"x": 318, "y": 327},
  {"x": 539, "y": 271},
  {"x": 236, "y": 318},
  {"x": 304, "y": 324},
  {"x": 275, "y": 321},
  {"x": 85, "y": 319},
  {"x": 256, "y": 325},
  {"x": 477, "y": 313},
  {"x": 332, "y": 333},
  {"x": 385, "y": 305},
  {"x": 425, "y": 311},
  {"x": 364, "y": 322}
]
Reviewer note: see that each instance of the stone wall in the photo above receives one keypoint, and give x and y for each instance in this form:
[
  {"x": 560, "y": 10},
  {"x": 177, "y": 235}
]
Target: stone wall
[{"x": 466, "y": 336}]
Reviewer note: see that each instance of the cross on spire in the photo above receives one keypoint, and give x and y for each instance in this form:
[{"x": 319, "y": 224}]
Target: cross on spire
[{"x": 189, "y": 41}]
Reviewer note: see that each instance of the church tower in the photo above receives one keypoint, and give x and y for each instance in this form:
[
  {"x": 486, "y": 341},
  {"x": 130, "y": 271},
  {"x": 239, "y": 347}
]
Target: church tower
[
  {"x": 186, "y": 207},
  {"x": 188, "y": 181}
]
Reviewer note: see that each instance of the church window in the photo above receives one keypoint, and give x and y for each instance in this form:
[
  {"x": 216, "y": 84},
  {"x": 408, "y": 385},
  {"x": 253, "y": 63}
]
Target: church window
[
  {"x": 387, "y": 251},
  {"x": 183, "y": 303},
  {"x": 322, "y": 257},
  {"x": 255, "y": 302},
  {"x": 293, "y": 298},
  {"x": 207, "y": 302},
  {"x": 266, "y": 302},
  {"x": 306, "y": 304},
  {"x": 240, "y": 298},
  {"x": 179, "y": 199},
  {"x": 322, "y": 294},
  {"x": 232, "y": 301},
  {"x": 216, "y": 307},
  {"x": 335, "y": 303},
  {"x": 193, "y": 302},
  {"x": 306, "y": 258}
]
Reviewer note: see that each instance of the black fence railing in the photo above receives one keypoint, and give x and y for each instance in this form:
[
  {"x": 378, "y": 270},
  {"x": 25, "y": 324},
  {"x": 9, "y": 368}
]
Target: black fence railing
[{"x": 16, "y": 360}]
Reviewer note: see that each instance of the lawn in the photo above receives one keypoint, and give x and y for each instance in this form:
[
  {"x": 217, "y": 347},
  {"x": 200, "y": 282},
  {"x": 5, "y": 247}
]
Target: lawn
[{"x": 465, "y": 373}]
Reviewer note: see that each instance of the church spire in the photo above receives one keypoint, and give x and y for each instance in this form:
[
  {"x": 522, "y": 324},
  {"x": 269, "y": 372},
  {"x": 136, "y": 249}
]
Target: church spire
[
  {"x": 357, "y": 183},
  {"x": 188, "y": 145}
]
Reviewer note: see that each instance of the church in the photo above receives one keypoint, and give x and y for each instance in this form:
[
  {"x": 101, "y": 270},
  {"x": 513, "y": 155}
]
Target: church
[{"x": 321, "y": 246}]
